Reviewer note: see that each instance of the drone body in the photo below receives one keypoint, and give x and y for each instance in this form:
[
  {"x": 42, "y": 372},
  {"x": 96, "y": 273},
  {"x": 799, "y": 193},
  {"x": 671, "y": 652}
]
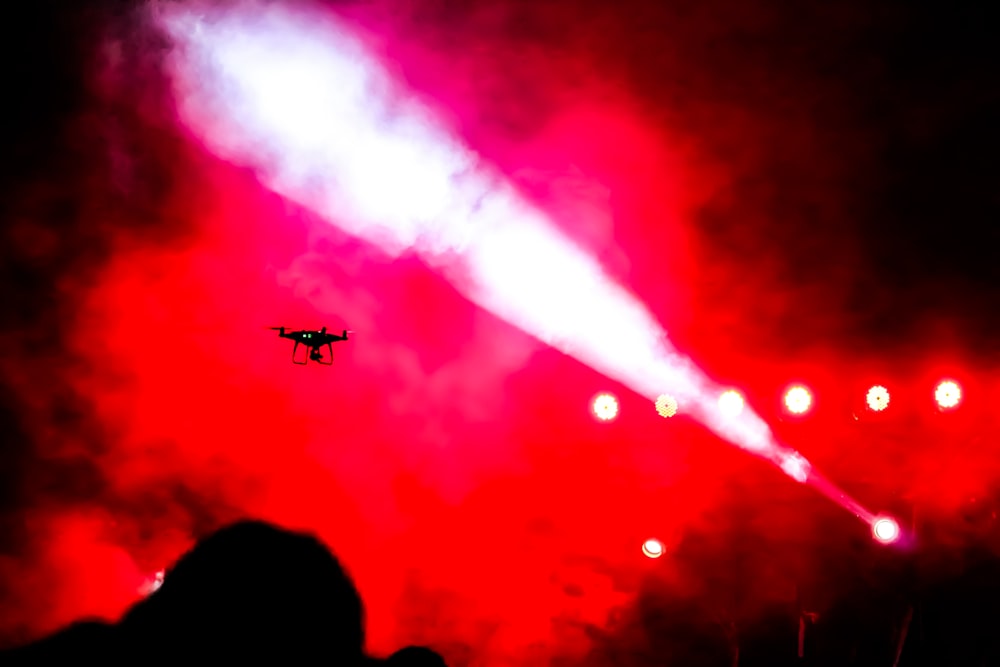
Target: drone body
[{"x": 315, "y": 341}]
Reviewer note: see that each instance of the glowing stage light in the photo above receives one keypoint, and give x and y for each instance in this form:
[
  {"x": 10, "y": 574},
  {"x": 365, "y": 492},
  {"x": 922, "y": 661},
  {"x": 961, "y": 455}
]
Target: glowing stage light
[
  {"x": 666, "y": 405},
  {"x": 877, "y": 398},
  {"x": 652, "y": 548},
  {"x": 798, "y": 400},
  {"x": 605, "y": 407},
  {"x": 885, "y": 530},
  {"x": 948, "y": 394},
  {"x": 731, "y": 403}
]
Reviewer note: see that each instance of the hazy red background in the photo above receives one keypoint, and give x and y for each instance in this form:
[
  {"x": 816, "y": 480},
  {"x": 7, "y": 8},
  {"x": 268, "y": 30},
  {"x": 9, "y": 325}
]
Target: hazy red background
[{"x": 722, "y": 159}]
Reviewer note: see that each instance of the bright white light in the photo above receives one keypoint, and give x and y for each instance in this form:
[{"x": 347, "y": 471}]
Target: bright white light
[
  {"x": 730, "y": 403},
  {"x": 289, "y": 93},
  {"x": 885, "y": 530},
  {"x": 666, "y": 405},
  {"x": 605, "y": 407},
  {"x": 798, "y": 400},
  {"x": 948, "y": 394},
  {"x": 796, "y": 466},
  {"x": 652, "y": 548},
  {"x": 878, "y": 398}
]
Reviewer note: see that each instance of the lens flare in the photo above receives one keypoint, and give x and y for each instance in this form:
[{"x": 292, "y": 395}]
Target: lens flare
[
  {"x": 666, "y": 405},
  {"x": 877, "y": 398},
  {"x": 798, "y": 400},
  {"x": 731, "y": 403},
  {"x": 652, "y": 548},
  {"x": 605, "y": 407},
  {"x": 948, "y": 394},
  {"x": 885, "y": 530}
]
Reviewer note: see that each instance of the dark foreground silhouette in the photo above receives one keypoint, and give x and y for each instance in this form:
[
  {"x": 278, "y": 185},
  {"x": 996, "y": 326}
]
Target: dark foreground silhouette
[
  {"x": 249, "y": 593},
  {"x": 415, "y": 656}
]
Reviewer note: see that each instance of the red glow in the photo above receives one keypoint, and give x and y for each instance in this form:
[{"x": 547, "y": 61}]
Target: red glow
[
  {"x": 417, "y": 438},
  {"x": 877, "y": 398},
  {"x": 798, "y": 400},
  {"x": 439, "y": 431}
]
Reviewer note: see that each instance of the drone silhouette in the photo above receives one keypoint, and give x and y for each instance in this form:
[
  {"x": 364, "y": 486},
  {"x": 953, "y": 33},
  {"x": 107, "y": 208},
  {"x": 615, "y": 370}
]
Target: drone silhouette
[{"x": 315, "y": 341}]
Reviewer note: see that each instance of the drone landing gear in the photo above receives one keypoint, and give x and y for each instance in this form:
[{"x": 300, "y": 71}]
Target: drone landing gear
[{"x": 315, "y": 354}]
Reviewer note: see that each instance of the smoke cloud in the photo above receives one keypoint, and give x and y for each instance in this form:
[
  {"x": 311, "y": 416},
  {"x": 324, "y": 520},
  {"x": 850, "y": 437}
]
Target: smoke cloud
[{"x": 447, "y": 456}]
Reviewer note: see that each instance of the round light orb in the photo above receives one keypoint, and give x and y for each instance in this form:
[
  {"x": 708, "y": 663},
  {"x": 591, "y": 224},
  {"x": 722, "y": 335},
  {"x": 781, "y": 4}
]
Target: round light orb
[
  {"x": 877, "y": 398},
  {"x": 666, "y": 405},
  {"x": 798, "y": 400},
  {"x": 885, "y": 530},
  {"x": 652, "y": 548},
  {"x": 948, "y": 394},
  {"x": 605, "y": 407}
]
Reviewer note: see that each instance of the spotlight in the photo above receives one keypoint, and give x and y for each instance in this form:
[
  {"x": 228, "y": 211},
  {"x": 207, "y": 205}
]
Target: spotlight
[
  {"x": 730, "y": 403},
  {"x": 877, "y": 398},
  {"x": 948, "y": 394},
  {"x": 798, "y": 400},
  {"x": 652, "y": 548},
  {"x": 605, "y": 407},
  {"x": 666, "y": 405},
  {"x": 885, "y": 530}
]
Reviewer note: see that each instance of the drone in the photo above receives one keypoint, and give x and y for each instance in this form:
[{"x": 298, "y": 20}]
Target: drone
[{"x": 315, "y": 341}]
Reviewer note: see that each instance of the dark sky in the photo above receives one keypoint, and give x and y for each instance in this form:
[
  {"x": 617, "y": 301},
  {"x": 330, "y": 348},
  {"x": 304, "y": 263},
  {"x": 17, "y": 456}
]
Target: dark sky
[{"x": 798, "y": 191}]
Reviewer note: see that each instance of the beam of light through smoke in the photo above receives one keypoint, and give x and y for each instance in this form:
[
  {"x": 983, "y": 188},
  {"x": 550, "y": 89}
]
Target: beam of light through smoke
[{"x": 294, "y": 96}]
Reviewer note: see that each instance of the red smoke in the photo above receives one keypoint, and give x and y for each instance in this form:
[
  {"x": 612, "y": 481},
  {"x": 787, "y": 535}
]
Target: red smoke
[{"x": 448, "y": 458}]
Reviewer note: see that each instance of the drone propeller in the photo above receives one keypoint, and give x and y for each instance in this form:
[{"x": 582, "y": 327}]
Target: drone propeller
[{"x": 284, "y": 328}]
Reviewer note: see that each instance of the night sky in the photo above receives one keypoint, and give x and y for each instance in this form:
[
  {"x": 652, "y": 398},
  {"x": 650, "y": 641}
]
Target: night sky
[{"x": 797, "y": 191}]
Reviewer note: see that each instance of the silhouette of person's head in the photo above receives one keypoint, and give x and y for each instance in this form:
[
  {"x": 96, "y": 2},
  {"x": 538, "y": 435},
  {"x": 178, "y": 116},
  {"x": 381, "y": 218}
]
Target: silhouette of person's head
[
  {"x": 252, "y": 591},
  {"x": 415, "y": 656}
]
